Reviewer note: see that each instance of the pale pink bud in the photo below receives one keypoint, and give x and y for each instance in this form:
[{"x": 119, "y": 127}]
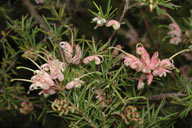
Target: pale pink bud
[
  {"x": 174, "y": 33},
  {"x": 116, "y": 51},
  {"x": 91, "y": 58},
  {"x": 78, "y": 55},
  {"x": 187, "y": 33},
  {"x": 175, "y": 40},
  {"x": 133, "y": 62},
  {"x": 68, "y": 51},
  {"x": 175, "y": 26},
  {"x": 75, "y": 83},
  {"x": 155, "y": 61},
  {"x": 115, "y": 24},
  {"x": 47, "y": 92},
  {"x": 141, "y": 83},
  {"x": 149, "y": 78}
]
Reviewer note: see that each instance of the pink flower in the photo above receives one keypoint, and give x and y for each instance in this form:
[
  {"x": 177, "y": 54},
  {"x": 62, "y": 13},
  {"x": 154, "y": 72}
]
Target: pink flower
[
  {"x": 42, "y": 79},
  {"x": 175, "y": 33},
  {"x": 144, "y": 76},
  {"x": 164, "y": 67},
  {"x": 115, "y": 24},
  {"x": 133, "y": 62},
  {"x": 68, "y": 53},
  {"x": 47, "y": 92},
  {"x": 175, "y": 40},
  {"x": 91, "y": 58},
  {"x": 26, "y": 108},
  {"x": 78, "y": 55},
  {"x": 155, "y": 61},
  {"x": 76, "y": 83},
  {"x": 145, "y": 58},
  {"x": 56, "y": 68},
  {"x": 39, "y": 1},
  {"x": 150, "y": 67},
  {"x": 116, "y": 52}
]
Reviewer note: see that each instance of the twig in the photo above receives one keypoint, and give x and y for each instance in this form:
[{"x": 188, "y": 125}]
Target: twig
[
  {"x": 166, "y": 96},
  {"x": 126, "y": 7},
  {"x": 8, "y": 68},
  {"x": 149, "y": 30},
  {"x": 82, "y": 113},
  {"x": 34, "y": 13}
]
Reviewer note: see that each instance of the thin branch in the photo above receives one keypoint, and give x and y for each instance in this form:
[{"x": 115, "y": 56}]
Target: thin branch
[
  {"x": 34, "y": 13},
  {"x": 149, "y": 31},
  {"x": 166, "y": 96},
  {"x": 126, "y": 7}
]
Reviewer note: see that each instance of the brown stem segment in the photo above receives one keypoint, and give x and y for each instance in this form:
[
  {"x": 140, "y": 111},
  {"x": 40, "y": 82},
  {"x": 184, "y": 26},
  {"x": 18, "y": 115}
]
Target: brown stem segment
[
  {"x": 166, "y": 96},
  {"x": 34, "y": 13}
]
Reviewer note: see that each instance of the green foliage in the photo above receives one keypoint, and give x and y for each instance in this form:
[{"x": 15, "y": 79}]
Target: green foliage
[{"x": 108, "y": 95}]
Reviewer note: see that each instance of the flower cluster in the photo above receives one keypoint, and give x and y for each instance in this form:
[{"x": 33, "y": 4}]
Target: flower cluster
[
  {"x": 44, "y": 78},
  {"x": 70, "y": 57},
  {"x": 26, "y": 108},
  {"x": 175, "y": 33},
  {"x": 149, "y": 67},
  {"x": 131, "y": 115},
  {"x": 39, "y": 1},
  {"x": 62, "y": 107},
  {"x": 102, "y": 21}
]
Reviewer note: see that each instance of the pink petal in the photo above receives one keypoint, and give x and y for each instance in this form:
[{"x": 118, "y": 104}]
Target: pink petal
[
  {"x": 175, "y": 40},
  {"x": 150, "y": 78},
  {"x": 115, "y": 24},
  {"x": 88, "y": 59},
  {"x": 174, "y": 33},
  {"x": 175, "y": 26},
  {"x": 91, "y": 58},
  {"x": 155, "y": 61},
  {"x": 66, "y": 46},
  {"x": 116, "y": 51},
  {"x": 141, "y": 83},
  {"x": 70, "y": 85},
  {"x": 78, "y": 55}
]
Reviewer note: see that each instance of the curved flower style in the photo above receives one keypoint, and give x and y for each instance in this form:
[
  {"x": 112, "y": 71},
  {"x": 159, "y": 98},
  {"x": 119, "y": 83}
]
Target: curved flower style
[
  {"x": 175, "y": 33},
  {"x": 115, "y": 24},
  {"x": 68, "y": 53},
  {"x": 91, "y": 58},
  {"x": 76, "y": 83},
  {"x": 150, "y": 67}
]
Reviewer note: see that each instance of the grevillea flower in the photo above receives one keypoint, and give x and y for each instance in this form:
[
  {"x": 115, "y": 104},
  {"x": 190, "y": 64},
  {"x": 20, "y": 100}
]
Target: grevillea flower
[
  {"x": 175, "y": 33},
  {"x": 92, "y": 58},
  {"x": 39, "y": 1},
  {"x": 56, "y": 68},
  {"x": 116, "y": 51},
  {"x": 76, "y": 83},
  {"x": 69, "y": 53},
  {"x": 164, "y": 67},
  {"x": 26, "y": 108},
  {"x": 150, "y": 67},
  {"x": 42, "y": 79},
  {"x": 133, "y": 62},
  {"x": 115, "y": 24},
  {"x": 47, "y": 92},
  {"x": 99, "y": 20}
]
